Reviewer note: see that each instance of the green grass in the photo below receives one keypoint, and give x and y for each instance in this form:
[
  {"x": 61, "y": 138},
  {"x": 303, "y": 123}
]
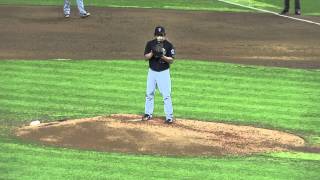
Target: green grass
[
  {"x": 165, "y": 4},
  {"x": 279, "y": 98},
  {"x": 310, "y": 7},
  {"x": 270, "y": 97},
  {"x": 22, "y": 161}
]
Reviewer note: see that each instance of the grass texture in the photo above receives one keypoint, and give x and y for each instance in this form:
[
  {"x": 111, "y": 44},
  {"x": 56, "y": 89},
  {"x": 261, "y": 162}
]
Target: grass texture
[
  {"x": 309, "y": 7},
  {"x": 270, "y": 97},
  {"x": 50, "y": 90},
  {"x": 21, "y": 161}
]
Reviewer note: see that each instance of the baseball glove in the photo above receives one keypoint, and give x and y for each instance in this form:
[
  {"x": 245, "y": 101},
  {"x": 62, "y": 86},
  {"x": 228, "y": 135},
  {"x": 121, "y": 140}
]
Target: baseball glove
[{"x": 158, "y": 50}]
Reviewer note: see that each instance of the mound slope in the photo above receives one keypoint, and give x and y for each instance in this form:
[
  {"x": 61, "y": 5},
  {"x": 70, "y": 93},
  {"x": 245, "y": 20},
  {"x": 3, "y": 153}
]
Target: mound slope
[{"x": 126, "y": 133}]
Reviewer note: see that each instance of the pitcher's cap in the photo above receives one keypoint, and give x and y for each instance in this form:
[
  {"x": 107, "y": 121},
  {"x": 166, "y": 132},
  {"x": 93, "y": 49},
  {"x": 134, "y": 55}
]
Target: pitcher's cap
[{"x": 159, "y": 30}]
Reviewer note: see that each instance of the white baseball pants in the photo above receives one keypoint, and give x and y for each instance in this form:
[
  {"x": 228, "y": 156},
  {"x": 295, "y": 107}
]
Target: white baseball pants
[
  {"x": 67, "y": 7},
  {"x": 161, "y": 80}
]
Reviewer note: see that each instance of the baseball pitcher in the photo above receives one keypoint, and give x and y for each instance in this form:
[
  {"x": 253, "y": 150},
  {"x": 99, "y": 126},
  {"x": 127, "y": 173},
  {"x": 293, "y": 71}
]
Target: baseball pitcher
[
  {"x": 160, "y": 54},
  {"x": 67, "y": 9}
]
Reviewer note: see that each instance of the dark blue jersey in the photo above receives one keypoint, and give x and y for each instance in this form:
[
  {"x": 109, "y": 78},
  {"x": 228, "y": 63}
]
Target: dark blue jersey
[{"x": 157, "y": 64}]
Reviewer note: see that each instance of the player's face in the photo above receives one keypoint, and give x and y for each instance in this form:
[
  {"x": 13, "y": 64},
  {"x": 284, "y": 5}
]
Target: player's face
[{"x": 160, "y": 37}]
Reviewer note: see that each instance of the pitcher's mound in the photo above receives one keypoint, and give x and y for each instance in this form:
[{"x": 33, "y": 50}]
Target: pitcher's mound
[{"x": 126, "y": 133}]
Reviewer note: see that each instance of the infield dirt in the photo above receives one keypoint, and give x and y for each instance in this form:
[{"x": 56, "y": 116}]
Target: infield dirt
[
  {"x": 41, "y": 32},
  {"x": 128, "y": 134}
]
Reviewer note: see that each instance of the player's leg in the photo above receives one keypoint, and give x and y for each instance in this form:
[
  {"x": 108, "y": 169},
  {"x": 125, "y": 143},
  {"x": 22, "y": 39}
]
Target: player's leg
[
  {"x": 67, "y": 8},
  {"x": 286, "y": 7},
  {"x": 151, "y": 88},
  {"x": 297, "y": 7},
  {"x": 164, "y": 85},
  {"x": 82, "y": 11}
]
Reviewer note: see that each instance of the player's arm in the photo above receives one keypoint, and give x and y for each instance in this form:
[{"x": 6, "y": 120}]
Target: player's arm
[
  {"x": 169, "y": 57},
  {"x": 148, "y": 55},
  {"x": 148, "y": 52}
]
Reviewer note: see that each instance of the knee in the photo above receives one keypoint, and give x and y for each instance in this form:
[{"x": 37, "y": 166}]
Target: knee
[
  {"x": 150, "y": 95},
  {"x": 165, "y": 98}
]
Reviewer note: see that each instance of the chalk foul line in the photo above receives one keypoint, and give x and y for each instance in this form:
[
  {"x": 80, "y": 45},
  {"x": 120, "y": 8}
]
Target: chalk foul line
[{"x": 270, "y": 12}]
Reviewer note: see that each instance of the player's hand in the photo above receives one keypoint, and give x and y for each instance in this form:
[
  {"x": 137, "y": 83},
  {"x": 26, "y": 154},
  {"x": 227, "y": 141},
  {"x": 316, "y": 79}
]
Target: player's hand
[
  {"x": 167, "y": 59},
  {"x": 148, "y": 56},
  {"x": 157, "y": 50}
]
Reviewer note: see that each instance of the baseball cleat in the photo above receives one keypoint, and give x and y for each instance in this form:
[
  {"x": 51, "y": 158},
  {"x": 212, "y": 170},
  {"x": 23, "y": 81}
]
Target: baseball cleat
[
  {"x": 87, "y": 14},
  {"x": 298, "y": 12},
  {"x": 67, "y": 15},
  {"x": 284, "y": 12},
  {"x": 169, "y": 121},
  {"x": 146, "y": 117}
]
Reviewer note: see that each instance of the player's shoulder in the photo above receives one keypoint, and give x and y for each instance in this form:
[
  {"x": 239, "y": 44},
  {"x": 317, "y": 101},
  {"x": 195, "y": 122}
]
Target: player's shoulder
[
  {"x": 168, "y": 43},
  {"x": 153, "y": 41}
]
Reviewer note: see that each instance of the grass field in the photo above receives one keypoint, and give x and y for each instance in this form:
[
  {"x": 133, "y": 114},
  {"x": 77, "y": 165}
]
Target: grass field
[
  {"x": 309, "y": 7},
  {"x": 270, "y": 97},
  {"x": 278, "y": 98},
  {"x": 21, "y": 161}
]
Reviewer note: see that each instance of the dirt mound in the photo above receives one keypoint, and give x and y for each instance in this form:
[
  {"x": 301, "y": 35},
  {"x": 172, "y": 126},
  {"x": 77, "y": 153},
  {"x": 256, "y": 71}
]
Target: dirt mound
[{"x": 126, "y": 133}]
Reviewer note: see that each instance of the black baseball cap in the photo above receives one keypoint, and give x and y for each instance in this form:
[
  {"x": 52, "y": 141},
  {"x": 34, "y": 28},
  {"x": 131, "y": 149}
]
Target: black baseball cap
[{"x": 159, "y": 30}]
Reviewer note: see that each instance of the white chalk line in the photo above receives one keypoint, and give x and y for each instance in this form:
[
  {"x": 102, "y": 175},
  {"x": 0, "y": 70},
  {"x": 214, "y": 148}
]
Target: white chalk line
[
  {"x": 61, "y": 59},
  {"x": 270, "y": 12}
]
